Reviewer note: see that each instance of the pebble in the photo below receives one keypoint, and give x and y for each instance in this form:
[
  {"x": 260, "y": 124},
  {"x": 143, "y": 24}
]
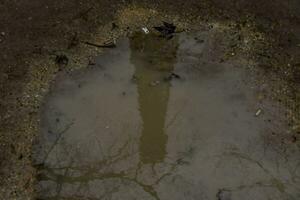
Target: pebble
[
  {"x": 145, "y": 29},
  {"x": 258, "y": 112},
  {"x": 154, "y": 83}
]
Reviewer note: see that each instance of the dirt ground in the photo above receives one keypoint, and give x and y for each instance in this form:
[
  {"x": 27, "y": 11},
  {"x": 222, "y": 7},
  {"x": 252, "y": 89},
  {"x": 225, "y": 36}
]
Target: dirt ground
[{"x": 33, "y": 33}]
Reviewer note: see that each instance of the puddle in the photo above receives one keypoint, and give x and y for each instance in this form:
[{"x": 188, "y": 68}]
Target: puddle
[{"x": 155, "y": 119}]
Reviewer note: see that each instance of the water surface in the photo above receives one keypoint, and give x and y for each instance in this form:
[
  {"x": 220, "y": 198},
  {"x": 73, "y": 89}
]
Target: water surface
[{"x": 157, "y": 119}]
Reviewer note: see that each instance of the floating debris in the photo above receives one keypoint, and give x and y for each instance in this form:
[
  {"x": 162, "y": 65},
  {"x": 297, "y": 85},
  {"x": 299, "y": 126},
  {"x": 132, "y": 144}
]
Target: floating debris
[
  {"x": 146, "y": 30},
  {"x": 167, "y": 30},
  {"x": 61, "y": 59},
  {"x": 172, "y": 76}
]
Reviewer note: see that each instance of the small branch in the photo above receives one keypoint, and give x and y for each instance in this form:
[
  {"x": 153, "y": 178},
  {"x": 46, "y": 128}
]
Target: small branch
[
  {"x": 82, "y": 14},
  {"x": 108, "y": 45}
]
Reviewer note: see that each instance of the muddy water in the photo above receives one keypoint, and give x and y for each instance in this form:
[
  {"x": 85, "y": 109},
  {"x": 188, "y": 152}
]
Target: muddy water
[{"x": 157, "y": 119}]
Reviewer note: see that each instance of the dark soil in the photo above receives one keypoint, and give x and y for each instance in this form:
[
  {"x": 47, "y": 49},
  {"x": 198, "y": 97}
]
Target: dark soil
[{"x": 34, "y": 31}]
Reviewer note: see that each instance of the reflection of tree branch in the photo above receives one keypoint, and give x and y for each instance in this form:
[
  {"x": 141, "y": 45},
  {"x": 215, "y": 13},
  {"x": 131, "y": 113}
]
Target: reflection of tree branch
[
  {"x": 100, "y": 146},
  {"x": 173, "y": 167},
  {"x": 60, "y": 184},
  {"x": 175, "y": 116},
  {"x": 102, "y": 170},
  {"x": 294, "y": 173},
  {"x": 273, "y": 182},
  {"x": 60, "y": 134},
  {"x": 90, "y": 176},
  {"x": 121, "y": 154},
  {"x": 239, "y": 155},
  {"x": 110, "y": 192}
]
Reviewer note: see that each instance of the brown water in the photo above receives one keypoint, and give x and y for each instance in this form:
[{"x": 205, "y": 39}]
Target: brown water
[{"x": 157, "y": 119}]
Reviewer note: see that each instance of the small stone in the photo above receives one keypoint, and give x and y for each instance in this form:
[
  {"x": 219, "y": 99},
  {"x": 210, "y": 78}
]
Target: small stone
[
  {"x": 223, "y": 195},
  {"x": 61, "y": 59},
  {"x": 293, "y": 139},
  {"x": 258, "y": 112},
  {"x": 20, "y": 157},
  {"x": 114, "y": 26},
  {"x": 154, "y": 83},
  {"x": 134, "y": 78},
  {"x": 145, "y": 29}
]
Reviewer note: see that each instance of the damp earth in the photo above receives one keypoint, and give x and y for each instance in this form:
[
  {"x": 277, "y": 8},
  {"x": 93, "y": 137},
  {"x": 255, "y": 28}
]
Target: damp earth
[{"x": 155, "y": 118}]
